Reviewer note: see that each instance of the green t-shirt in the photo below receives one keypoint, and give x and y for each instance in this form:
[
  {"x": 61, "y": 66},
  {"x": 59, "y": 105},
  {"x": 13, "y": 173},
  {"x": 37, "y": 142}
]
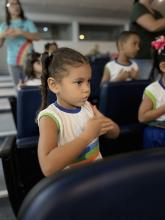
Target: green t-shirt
[{"x": 145, "y": 35}]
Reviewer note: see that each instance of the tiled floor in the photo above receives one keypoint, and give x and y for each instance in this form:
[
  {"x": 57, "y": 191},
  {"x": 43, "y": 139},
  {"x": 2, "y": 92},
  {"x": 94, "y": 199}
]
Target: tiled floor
[{"x": 6, "y": 212}]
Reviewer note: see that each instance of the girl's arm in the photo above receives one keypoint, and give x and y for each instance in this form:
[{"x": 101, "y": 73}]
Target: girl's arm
[
  {"x": 1, "y": 41},
  {"x": 106, "y": 75},
  {"x": 14, "y": 32},
  {"x": 52, "y": 157},
  {"x": 148, "y": 22},
  {"x": 113, "y": 130},
  {"x": 30, "y": 36},
  {"x": 146, "y": 111},
  {"x": 2, "y": 38}
]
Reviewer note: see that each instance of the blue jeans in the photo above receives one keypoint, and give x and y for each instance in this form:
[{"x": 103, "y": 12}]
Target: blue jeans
[
  {"x": 16, "y": 73},
  {"x": 145, "y": 66}
]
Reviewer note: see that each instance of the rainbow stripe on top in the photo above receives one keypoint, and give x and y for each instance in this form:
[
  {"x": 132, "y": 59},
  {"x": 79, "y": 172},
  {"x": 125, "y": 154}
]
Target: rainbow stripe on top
[{"x": 22, "y": 53}]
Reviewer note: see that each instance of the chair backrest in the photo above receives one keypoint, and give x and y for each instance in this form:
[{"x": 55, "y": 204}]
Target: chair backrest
[
  {"x": 97, "y": 66},
  {"x": 28, "y": 104},
  {"x": 126, "y": 187},
  {"x": 120, "y": 100}
]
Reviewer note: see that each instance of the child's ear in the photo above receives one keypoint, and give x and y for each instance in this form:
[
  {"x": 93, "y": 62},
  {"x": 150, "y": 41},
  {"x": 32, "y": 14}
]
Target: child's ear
[{"x": 53, "y": 85}]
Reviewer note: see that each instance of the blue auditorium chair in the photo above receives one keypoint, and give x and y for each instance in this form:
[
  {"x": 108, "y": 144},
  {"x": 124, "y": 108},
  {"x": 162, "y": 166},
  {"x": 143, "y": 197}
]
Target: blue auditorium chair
[
  {"x": 19, "y": 154},
  {"x": 120, "y": 101},
  {"x": 97, "y": 65},
  {"x": 125, "y": 187}
]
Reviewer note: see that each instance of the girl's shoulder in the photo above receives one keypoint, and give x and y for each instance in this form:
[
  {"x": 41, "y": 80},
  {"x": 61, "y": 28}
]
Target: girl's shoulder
[
  {"x": 49, "y": 111},
  {"x": 153, "y": 88},
  {"x": 153, "y": 85}
]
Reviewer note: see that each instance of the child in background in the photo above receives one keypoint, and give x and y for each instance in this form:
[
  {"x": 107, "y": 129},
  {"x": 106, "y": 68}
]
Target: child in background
[
  {"x": 51, "y": 47},
  {"x": 123, "y": 68},
  {"x": 70, "y": 127},
  {"x": 152, "y": 108},
  {"x": 32, "y": 70}
]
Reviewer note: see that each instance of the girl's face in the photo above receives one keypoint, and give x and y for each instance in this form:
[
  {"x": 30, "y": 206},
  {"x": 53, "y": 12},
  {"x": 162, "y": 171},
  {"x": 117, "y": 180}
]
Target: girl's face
[
  {"x": 37, "y": 67},
  {"x": 14, "y": 8},
  {"x": 162, "y": 66},
  {"x": 73, "y": 89}
]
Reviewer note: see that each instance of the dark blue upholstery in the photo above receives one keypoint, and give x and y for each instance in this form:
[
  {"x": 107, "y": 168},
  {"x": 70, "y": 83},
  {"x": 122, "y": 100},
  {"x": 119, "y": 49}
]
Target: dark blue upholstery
[
  {"x": 127, "y": 187},
  {"x": 20, "y": 164},
  {"x": 97, "y": 65},
  {"x": 120, "y": 101},
  {"x": 28, "y": 104}
]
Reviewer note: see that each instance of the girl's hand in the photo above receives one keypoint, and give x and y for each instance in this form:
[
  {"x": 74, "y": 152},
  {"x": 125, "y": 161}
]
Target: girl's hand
[
  {"x": 97, "y": 125},
  {"x": 11, "y": 32}
]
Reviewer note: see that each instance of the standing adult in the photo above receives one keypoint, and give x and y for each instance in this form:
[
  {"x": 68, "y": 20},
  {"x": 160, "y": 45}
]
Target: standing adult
[
  {"x": 18, "y": 32},
  {"x": 149, "y": 24}
]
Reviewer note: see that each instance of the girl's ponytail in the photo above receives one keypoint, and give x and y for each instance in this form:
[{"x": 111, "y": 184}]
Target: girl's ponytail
[{"x": 46, "y": 60}]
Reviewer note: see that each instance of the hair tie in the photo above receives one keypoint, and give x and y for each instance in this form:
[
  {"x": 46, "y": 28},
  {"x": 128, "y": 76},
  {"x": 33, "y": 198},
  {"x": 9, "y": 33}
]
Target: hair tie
[{"x": 159, "y": 44}]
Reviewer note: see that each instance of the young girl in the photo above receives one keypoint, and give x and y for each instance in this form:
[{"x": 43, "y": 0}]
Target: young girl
[
  {"x": 152, "y": 108},
  {"x": 32, "y": 70},
  {"x": 70, "y": 127}
]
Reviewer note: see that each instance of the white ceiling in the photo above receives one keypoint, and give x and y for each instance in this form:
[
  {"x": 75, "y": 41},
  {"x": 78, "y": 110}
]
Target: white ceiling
[{"x": 92, "y": 8}]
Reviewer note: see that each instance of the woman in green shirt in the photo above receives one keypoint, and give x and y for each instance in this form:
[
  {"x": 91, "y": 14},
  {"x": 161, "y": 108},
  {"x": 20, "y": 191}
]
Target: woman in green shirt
[{"x": 149, "y": 24}]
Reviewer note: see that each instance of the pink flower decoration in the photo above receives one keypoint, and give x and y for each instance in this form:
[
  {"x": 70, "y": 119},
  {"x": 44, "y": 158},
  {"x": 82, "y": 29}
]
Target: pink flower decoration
[{"x": 159, "y": 44}]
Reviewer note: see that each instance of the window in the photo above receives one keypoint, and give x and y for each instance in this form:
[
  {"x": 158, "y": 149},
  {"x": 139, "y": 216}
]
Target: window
[
  {"x": 49, "y": 31},
  {"x": 91, "y": 32}
]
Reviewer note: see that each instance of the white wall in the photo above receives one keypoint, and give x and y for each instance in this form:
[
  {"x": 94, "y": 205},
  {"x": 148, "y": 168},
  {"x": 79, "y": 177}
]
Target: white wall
[{"x": 83, "y": 46}]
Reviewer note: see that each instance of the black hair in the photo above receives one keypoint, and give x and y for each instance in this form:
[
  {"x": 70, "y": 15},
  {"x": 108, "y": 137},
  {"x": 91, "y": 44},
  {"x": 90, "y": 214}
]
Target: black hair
[
  {"x": 135, "y": 1},
  {"x": 123, "y": 36},
  {"x": 30, "y": 60},
  {"x": 8, "y": 16},
  {"x": 157, "y": 59},
  {"x": 56, "y": 66},
  {"x": 46, "y": 47}
]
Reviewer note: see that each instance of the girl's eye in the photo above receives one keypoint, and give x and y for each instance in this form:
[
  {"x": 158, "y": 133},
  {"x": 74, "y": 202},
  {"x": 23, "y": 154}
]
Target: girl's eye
[{"x": 78, "y": 82}]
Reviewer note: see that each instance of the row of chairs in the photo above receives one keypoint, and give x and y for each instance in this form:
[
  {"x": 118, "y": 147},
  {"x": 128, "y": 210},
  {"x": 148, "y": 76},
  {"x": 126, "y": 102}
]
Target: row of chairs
[
  {"x": 119, "y": 101},
  {"x": 125, "y": 187}
]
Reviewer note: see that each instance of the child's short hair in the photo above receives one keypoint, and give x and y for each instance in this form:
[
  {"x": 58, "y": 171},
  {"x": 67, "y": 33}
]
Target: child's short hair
[{"x": 123, "y": 37}]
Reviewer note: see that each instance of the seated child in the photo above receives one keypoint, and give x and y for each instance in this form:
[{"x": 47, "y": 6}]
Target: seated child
[
  {"x": 33, "y": 70},
  {"x": 50, "y": 47},
  {"x": 123, "y": 68},
  {"x": 152, "y": 108},
  {"x": 70, "y": 127}
]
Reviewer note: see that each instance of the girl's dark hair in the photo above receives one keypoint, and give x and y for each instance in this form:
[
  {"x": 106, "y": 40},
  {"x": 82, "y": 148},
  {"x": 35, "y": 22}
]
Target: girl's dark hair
[
  {"x": 157, "y": 59},
  {"x": 56, "y": 66},
  {"x": 8, "y": 16},
  {"x": 30, "y": 60},
  {"x": 135, "y": 1}
]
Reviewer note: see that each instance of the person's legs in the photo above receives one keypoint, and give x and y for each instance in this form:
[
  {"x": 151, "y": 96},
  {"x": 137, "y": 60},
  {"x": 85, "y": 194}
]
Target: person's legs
[
  {"x": 16, "y": 73},
  {"x": 154, "y": 137},
  {"x": 145, "y": 66}
]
